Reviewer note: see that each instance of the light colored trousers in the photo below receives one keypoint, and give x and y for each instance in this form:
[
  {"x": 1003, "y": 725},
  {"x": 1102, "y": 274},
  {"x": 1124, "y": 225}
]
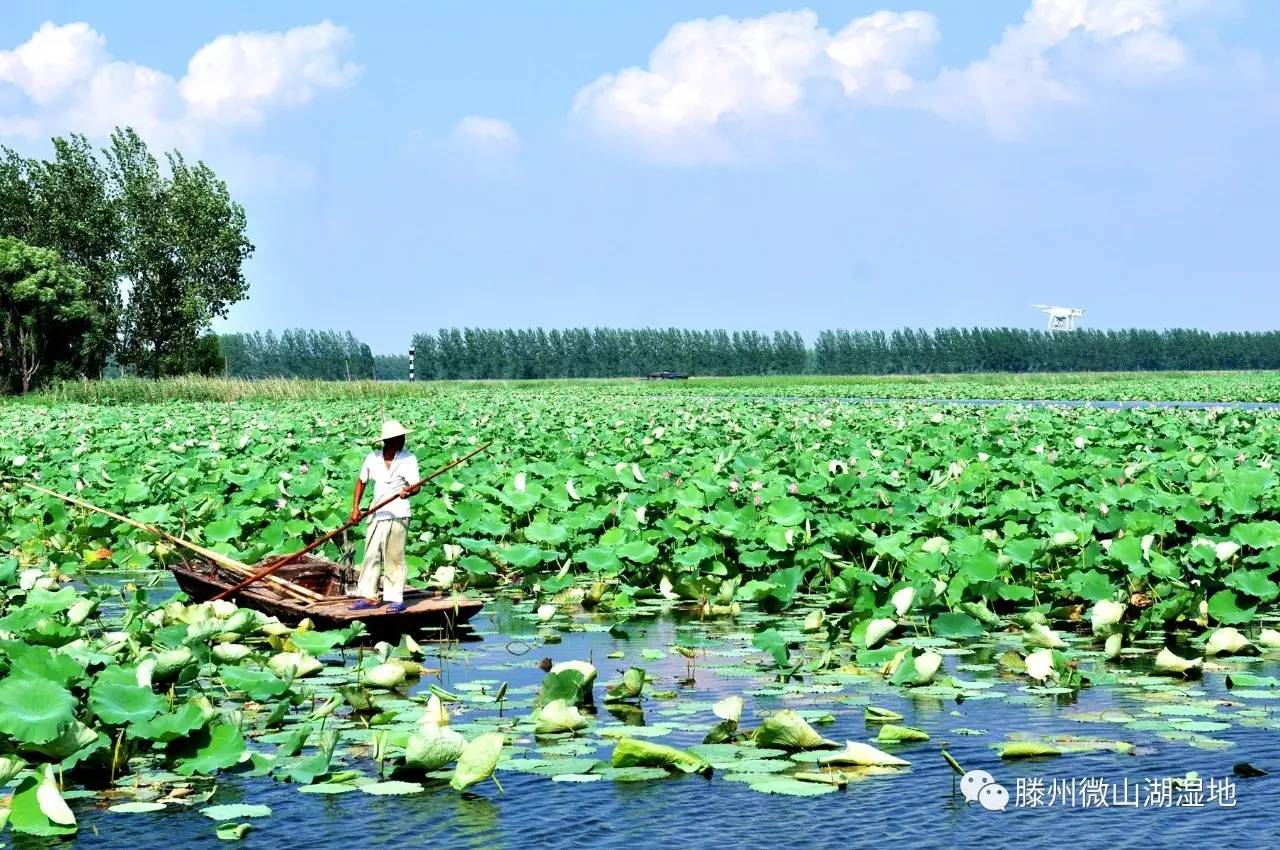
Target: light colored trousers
[{"x": 384, "y": 557}]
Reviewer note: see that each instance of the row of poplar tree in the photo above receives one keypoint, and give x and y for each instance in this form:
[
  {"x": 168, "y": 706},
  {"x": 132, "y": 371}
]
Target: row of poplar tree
[
  {"x": 474, "y": 353},
  {"x": 109, "y": 257}
]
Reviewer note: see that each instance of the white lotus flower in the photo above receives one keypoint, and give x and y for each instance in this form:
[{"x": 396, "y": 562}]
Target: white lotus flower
[
  {"x": 545, "y": 612},
  {"x": 640, "y": 511},
  {"x": 955, "y": 468},
  {"x": 1106, "y": 613},
  {"x": 1225, "y": 550},
  {"x": 1103, "y": 509},
  {"x": 729, "y": 708},
  {"x": 935, "y": 418},
  {"x": 520, "y": 482},
  {"x": 927, "y": 666},
  {"x": 835, "y": 467},
  {"x": 569, "y": 488},
  {"x": 658, "y": 432},
  {"x": 1079, "y": 442},
  {"x": 452, "y": 552},
  {"x": 1040, "y": 665},
  {"x": 1270, "y": 638},
  {"x": 902, "y": 600},
  {"x": 1039, "y": 449},
  {"x": 1111, "y": 648},
  {"x": 984, "y": 457}
]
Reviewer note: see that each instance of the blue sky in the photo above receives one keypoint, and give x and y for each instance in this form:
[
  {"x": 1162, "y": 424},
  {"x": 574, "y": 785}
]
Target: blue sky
[{"x": 741, "y": 165}]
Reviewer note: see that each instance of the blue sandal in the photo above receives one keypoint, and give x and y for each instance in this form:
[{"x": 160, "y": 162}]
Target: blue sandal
[
  {"x": 396, "y": 608},
  {"x": 365, "y": 605}
]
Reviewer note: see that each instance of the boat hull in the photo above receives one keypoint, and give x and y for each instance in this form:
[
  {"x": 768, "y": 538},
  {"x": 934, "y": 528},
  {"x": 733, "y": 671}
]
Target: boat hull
[{"x": 435, "y": 614}]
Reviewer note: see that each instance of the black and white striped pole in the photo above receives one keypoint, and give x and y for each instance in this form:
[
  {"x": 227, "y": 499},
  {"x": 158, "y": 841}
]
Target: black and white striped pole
[{"x": 411, "y": 363}]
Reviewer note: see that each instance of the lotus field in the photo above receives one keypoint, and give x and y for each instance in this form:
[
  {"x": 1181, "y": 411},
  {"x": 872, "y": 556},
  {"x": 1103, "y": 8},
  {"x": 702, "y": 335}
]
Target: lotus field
[{"x": 777, "y": 596}]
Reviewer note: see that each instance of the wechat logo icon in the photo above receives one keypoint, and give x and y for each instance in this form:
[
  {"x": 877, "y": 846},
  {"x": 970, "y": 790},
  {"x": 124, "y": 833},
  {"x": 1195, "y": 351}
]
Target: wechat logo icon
[{"x": 981, "y": 787}]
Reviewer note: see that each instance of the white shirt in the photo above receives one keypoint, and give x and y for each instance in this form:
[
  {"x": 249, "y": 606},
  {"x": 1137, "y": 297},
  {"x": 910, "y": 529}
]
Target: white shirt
[{"x": 390, "y": 480}]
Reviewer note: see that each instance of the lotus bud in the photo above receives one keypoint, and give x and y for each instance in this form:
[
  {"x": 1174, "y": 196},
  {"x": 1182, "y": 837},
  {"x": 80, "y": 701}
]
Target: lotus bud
[
  {"x": 545, "y": 613},
  {"x": 520, "y": 481},
  {"x": 666, "y": 589},
  {"x": 435, "y": 713},
  {"x": 1111, "y": 648},
  {"x": 1270, "y": 638},
  {"x": 1040, "y": 665},
  {"x": 1106, "y": 613},
  {"x": 729, "y": 708}
]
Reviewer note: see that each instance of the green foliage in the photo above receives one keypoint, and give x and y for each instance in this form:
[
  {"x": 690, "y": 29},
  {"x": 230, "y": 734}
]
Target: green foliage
[{"x": 46, "y": 316}]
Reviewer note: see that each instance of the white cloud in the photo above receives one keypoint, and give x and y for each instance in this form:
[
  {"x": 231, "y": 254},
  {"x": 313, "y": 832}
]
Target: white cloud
[
  {"x": 480, "y": 132},
  {"x": 709, "y": 84},
  {"x": 72, "y": 83},
  {"x": 234, "y": 78},
  {"x": 53, "y": 60},
  {"x": 708, "y": 74},
  {"x": 1045, "y": 58}
]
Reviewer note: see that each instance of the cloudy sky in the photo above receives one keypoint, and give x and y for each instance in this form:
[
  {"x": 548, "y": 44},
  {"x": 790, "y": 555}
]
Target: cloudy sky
[{"x": 731, "y": 164}]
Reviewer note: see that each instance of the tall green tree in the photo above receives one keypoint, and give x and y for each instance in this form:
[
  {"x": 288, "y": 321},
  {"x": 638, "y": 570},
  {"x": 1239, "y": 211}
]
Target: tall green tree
[
  {"x": 47, "y": 319},
  {"x": 183, "y": 247},
  {"x": 65, "y": 204}
]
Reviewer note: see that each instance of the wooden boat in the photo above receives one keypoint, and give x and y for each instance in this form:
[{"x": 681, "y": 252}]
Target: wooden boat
[{"x": 203, "y": 579}]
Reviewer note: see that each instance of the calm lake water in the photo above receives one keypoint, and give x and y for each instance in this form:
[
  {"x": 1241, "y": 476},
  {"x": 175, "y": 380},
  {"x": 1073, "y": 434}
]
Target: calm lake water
[{"x": 917, "y": 807}]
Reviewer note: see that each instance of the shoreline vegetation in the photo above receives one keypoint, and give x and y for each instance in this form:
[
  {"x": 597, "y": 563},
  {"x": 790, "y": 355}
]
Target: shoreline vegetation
[{"x": 1217, "y": 386}]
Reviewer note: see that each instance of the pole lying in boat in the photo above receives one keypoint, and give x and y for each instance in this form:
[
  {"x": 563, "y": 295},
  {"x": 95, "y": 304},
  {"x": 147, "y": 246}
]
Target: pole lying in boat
[
  {"x": 217, "y": 557},
  {"x": 266, "y": 571}
]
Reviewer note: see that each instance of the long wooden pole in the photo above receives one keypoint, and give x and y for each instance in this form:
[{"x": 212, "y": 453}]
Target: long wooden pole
[
  {"x": 320, "y": 541},
  {"x": 217, "y": 557}
]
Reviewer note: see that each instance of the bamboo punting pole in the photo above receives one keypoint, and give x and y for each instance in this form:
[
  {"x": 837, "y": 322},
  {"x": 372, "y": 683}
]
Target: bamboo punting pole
[
  {"x": 230, "y": 563},
  {"x": 266, "y": 571}
]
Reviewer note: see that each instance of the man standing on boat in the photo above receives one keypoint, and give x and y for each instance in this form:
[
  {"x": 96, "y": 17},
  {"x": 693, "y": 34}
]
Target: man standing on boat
[{"x": 392, "y": 470}]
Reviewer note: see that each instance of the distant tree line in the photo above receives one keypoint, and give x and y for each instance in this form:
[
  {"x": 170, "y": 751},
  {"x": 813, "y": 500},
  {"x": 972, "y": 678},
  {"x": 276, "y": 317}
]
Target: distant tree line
[
  {"x": 476, "y": 353},
  {"x": 920, "y": 351},
  {"x": 316, "y": 355},
  {"x": 479, "y": 353},
  {"x": 108, "y": 257}
]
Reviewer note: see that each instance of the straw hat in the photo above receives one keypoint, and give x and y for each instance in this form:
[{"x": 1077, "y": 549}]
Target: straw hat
[{"x": 392, "y": 429}]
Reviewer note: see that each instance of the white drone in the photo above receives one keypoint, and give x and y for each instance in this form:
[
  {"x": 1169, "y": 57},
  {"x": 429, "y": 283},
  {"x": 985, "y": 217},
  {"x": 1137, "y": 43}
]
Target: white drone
[{"x": 1061, "y": 318}]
